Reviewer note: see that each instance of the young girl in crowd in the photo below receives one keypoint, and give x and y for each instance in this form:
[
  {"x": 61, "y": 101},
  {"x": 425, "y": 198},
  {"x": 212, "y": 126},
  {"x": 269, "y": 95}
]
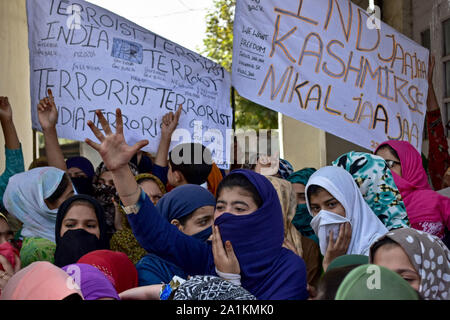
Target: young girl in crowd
[
  {"x": 342, "y": 220},
  {"x": 359, "y": 285},
  {"x": 302, "y": 218},
  {"x": 427, "y": 210},
  {"x": 80, "y": 228},
  {"x": 419, "y": 258},
  {"x": 247, "y": 207},
  {"x": 81, "y": 172},
  {"x": 190, "y": 208},
  {"x": 34, "y": 197}
]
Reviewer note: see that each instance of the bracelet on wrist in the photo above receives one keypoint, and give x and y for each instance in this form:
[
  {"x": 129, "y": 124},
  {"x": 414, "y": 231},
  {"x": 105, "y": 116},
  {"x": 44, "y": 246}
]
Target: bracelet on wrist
[{"x": 131, "y": 194}]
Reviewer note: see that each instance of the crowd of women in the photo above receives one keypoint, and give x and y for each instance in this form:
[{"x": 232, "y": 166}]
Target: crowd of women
[{"x": 138, "y": 227}]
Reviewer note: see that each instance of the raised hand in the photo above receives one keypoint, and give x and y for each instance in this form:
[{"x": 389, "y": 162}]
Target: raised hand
[
  {"x": 224, "y": 258},
  {"x": 168, "y": 126},
  {"x": 47, "y": 112},
  {"x": 5, "y": 109},
  {"x": 170, "y": 122},
  {"x": 113, "y": 149}
]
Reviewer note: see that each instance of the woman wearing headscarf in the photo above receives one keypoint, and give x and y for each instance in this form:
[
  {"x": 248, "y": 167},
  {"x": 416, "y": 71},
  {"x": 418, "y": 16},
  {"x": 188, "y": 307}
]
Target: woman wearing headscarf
[
  {"x": 268, "y": 270},
  {"x": 93, "y": 284},
  {"x": 34, "y": 197},
  {"x": 9, "y": 255},
  {"x": 374, "y": 179},
  {"x": 303, "y": 246},
  {"x": 427, "y": 210},
  {"x": 359, "y": 284},
  {"x": 123, "y": 239},
  {"x": 302, "y": 218},
  {"x": 420, "y": 258},
  {"x": 80, "y": 228},
  {"x": 247, "y": 207},
  {"x": 115, "y": 266},
  {"x": 190, "y": 208},
  {"x": 342, "y": 219},
  {"x": 81, "y": 172},
  {"x": 41, "y": 281},
  {"x": 285, "y": 169}
]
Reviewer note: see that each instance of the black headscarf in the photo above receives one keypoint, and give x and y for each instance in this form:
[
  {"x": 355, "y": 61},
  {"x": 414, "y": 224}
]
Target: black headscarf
[{"x": 76, "y": 243}]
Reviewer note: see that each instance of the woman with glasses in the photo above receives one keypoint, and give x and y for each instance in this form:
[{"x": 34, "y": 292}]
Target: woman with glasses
[{"x": 427, "y": 210}]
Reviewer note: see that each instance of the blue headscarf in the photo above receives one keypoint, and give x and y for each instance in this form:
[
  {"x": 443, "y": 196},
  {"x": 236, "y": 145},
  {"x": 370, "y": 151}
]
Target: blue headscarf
[
  {"x": 184, "y": 200},
  {"x": 83, "y": 164},
  {"x": 285, "y": 169},
  {"x": 178, "y": 203},
  {"x": 268, "y": 270}
]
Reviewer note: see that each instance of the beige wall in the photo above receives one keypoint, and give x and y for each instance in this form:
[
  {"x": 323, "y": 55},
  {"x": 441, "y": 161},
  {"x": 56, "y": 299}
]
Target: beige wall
[
  {"x": 14, "y": 72},
  {"x": 302, "y": 145}
]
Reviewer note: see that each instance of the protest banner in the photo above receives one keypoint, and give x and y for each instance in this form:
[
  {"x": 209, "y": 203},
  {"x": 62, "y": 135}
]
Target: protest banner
[
  {"x": 94, "y": 59},
  {"x": 332, "y": 65}
]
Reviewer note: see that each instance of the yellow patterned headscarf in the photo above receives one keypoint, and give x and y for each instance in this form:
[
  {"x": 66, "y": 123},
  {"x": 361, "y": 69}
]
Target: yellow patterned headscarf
[{"x": 124, "y": 240}]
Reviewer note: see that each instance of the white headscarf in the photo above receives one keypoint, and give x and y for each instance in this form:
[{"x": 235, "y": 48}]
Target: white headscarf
[
  {"x": 24, "y": 198},
  {"x": 366, "y": 227}
]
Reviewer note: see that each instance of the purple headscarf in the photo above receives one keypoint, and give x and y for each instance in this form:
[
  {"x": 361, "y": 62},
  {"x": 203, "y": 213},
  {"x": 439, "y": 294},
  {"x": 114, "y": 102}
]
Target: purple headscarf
[
  {"x": 268, "y": 270},
  {"x": 93, "y": 283}
]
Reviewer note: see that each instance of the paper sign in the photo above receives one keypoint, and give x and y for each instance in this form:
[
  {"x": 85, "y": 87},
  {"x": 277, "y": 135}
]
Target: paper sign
[
  {"x": 333, "y": 65},
  {"x": 94, "y": 59}
]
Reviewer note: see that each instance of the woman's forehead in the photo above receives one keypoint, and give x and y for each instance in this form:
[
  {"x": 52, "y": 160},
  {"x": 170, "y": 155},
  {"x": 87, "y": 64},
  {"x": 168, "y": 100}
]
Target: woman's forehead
[{"x": 234, "y": 192}]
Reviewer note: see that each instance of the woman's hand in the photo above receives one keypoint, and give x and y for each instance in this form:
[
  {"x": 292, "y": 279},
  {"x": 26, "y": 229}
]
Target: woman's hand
[
  {"x": 113, "y": 149},
  {"x": 170, "y": 122},
  {"x": 224, "y": 258},
  {"x": 9, "y": 271},
  {"x": 5, "y": 109},
  {"x": 338, "y": 248},
  {"x": 47, "y": 112}
]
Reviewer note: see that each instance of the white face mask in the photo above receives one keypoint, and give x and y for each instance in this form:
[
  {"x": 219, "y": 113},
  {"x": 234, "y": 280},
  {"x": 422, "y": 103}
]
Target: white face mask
[{"x": 323, "y": 223}]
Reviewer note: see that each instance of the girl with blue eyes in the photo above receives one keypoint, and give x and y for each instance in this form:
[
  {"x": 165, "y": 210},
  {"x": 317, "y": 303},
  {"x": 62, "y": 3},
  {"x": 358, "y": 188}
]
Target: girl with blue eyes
[{"x": 342, "y": 220}]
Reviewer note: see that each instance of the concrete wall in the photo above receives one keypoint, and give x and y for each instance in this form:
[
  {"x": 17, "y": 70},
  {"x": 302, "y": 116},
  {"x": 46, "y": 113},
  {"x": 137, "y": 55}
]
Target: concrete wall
[
  {"x": 14, "y": 72},
  {"x": 303, "y": 145}
]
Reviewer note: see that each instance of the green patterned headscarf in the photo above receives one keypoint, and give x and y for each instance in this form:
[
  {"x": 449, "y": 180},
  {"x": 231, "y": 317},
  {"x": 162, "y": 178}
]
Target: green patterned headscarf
[
  {"x": 302, "y": 218},
  {"x": 377, "y": 186},
  {"x": 36, "y": 249}
]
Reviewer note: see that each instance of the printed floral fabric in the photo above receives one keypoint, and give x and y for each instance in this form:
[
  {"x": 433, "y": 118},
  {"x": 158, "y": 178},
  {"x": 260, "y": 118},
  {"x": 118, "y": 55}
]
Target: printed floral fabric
[{"x": 377, "y": 186}]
